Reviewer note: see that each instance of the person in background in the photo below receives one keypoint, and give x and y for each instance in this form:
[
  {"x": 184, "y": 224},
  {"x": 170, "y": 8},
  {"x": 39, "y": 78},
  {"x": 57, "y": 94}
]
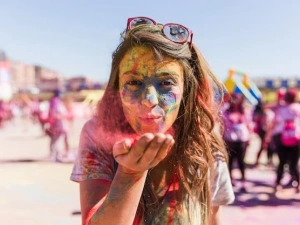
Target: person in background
[
  {"x": 2, "y": 113},
  {"x": 151, "y": 152},
  {"x": 25, "y": 106},
  {"x": 237, "y": 131},
  {"x": 57, "y": 115},
  {"x": 43, "y": 112},
  {"x": 69, "y": 103},
  {"x": 34, "y": 109},
  {"x": 262, "y": 119},
  {"x": 273, "y": 132},
  {"x": 287, "y": 121}
]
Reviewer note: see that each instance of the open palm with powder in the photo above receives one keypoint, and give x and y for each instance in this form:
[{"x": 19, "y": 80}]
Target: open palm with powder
[{"x": 135, "y": 156}]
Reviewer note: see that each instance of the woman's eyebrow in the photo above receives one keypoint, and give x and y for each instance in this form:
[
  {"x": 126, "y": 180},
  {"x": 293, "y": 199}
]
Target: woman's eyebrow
[
  {"x": 165, "y": 73},
  {"x": 130, "y": 73}
]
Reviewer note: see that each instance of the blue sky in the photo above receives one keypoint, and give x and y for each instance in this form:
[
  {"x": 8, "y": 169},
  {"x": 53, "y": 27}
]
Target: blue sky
[{"x": 78, "y": 37}]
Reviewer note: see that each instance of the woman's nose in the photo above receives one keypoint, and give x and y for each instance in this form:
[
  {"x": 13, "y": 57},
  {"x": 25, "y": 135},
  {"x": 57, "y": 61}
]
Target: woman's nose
[{"x": 150, "y": 98}]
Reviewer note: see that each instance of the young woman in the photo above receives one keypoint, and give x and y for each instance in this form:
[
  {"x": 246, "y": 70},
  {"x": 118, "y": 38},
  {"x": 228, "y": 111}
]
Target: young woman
[
  {"x": 237, "y": 133},
  {"x": 58, "y": 132},
  {"x": 152, "y": 155},
  {"x": 287, "y": 121}
]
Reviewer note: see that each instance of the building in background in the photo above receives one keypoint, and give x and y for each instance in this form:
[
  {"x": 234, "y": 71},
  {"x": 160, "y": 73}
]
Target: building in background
[
  {"x": 48, "y": 80},
  {"x": 79, "y": 83},
  {"x": 275, "y": 82},
  {"x": 22, "y": 77},
  {"x": 32, "y": 78},
  {"x": 268, "y": 85}
]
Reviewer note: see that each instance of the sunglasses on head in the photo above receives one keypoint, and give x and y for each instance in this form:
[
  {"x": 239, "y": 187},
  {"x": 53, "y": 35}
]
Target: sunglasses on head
[{"x": 174, "y": 32}]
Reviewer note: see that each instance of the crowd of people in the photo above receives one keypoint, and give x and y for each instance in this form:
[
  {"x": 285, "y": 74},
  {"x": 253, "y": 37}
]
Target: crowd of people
[
  {"x": 276, "y": 125},
  {"x": 54, "y": 116}
]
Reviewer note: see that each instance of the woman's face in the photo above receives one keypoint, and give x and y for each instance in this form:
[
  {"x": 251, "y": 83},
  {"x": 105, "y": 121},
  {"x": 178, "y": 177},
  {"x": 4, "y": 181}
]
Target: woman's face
[{"x": 150, "y": 89}]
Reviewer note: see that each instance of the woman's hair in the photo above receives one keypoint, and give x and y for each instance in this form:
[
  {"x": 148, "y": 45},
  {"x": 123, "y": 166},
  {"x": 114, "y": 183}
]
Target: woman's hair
[
  {"x": 290, "y": 96},
  {"x": 237, "y": 103},
  {"x": 196, "y": 139},
  {"x": 259, "y": 108}
]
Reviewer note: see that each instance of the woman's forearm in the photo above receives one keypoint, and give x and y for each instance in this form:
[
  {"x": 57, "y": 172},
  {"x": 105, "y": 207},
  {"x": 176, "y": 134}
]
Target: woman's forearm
[
  {"x": 215, "y": 216},
  {"x": 121, "y": 202}
]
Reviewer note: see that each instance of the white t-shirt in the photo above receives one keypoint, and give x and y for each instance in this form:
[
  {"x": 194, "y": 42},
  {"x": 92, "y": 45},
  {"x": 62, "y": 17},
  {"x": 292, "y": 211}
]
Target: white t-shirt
[{"x": 283, "y": 113}]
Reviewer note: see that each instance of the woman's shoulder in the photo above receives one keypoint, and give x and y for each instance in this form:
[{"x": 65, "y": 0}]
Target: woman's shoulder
[
  {"x": 286, "y": 110},
  {"x": 222, "y": 191},
  {"x": 218, "y": 156},
  {"x": 90, "y": 123},
  {"x": 295, "y": 106},
  {"x": 90, "y": 130}
]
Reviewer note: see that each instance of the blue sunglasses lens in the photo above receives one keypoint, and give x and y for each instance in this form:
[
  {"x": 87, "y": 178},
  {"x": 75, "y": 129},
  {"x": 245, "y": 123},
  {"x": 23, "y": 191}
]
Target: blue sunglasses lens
[
  {"x": 140, "y": 21},
  {"x": 176, "y": 33}
]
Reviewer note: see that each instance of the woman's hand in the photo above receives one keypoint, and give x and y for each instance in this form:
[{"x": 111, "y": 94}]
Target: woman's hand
[{"x": 135, "y": 156}]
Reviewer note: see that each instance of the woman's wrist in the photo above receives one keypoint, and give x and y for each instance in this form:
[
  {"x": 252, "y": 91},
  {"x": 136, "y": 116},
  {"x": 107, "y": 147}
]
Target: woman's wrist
[
  {"x": 128, "y": 172},
  {"x": 124, "y": 181}
]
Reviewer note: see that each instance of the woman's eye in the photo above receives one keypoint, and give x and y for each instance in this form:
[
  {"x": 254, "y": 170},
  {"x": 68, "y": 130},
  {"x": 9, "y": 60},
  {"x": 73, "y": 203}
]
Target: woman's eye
[
  {"x": 166, "y": 83},
  {"x": 134, "y": 83}
]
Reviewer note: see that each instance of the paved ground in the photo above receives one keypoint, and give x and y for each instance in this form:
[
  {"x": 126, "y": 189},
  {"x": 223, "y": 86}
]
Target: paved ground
[{"x": 34, "y": 191}]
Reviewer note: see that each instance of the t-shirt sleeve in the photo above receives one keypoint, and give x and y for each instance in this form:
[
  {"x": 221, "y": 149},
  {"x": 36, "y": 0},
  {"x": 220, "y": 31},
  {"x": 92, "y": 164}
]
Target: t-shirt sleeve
[
  {"x": 222, "y": 191},
  {"x": 91, "y": 161}
]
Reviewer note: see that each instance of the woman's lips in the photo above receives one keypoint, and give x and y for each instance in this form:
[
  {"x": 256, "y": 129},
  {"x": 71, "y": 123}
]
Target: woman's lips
[{"x": 150, "y": 118}]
